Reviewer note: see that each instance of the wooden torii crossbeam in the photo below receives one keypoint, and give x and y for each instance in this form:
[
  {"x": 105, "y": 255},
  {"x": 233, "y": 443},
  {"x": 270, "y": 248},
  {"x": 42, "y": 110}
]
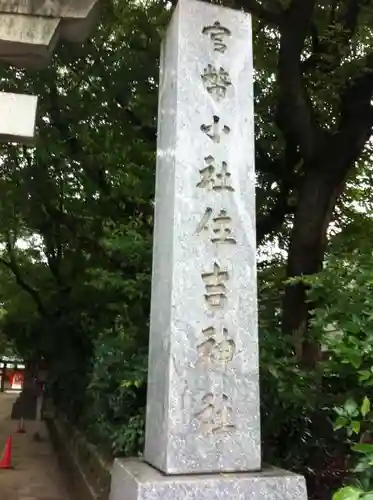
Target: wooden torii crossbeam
[{"x": 29, "y": 33}]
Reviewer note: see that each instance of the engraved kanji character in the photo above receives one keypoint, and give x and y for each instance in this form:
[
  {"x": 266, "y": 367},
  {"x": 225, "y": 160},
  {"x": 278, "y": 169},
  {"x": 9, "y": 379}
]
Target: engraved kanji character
[
  {"x": 216, "y": 81},
  {"x": 221, "y": 228},
  {"x": 215, "y": 349},
  {"x": 217, "y": 33},
  {"x": 215, "y": 180},
  {"x": 215, "y": 295},
  {"x": 216, "y": 415},
  {"x": 215, "y": 130}
]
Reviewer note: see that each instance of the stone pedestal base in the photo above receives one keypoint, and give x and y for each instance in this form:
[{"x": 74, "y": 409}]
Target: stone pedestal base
[{"x": 135, "y": 480}]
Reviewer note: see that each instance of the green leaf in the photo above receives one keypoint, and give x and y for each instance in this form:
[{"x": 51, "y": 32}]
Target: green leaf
[
  {"x": 340, "y": 423},
  {"x": 351, "y": 407},
  {"x": 347, "y": 493},
  {"x": 339, "y": 411},
  {"x": 364, "y": 375},
  {"x": 365, "y": 407},
  {"x": 363, "y": 448},
  {"x": 368, "y": 495},
  {"x": 361, "y": 466},
  {"x": 355, "y": 425},
  {"x": 353, "y": 327}
]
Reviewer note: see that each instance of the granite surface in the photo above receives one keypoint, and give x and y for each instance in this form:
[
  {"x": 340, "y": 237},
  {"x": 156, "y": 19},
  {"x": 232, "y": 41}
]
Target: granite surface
[
  {"x": 135, "y": 480},
  {"x": 49, "y": 8},
  {"x": 18, "y": 112},
  {"x": 30, "y": 30},
  {"x": 203, "y": 387}
]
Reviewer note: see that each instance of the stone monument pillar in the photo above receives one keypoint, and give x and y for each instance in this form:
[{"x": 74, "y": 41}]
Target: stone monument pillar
[
  {"x": 203, "y": 423},
  {"x": 29, "y": 32}
]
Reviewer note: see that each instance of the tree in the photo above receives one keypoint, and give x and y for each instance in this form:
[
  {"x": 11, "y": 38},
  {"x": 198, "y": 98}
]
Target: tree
[
  {"x": 309, "y": 136},
  {"x": 82, "y": 202},
  {"x": 319, "y": 131},
  {"x": 77, "y": 294}
]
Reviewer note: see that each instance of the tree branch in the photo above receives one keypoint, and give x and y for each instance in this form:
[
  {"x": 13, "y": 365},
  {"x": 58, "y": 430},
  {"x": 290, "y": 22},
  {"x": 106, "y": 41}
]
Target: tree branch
[
  {"x": 13, "y": 266},
  {"x": 333, "y": 10},
  {"x": 344, "y": 147},
  {"x": 349, "y": 18},
  {"x": 148, "y": 133},
  {"x": 269, "y": 223},
  {"x": 356, "y": 116},
  {"x": 259, "y": 10},
  {"x": 329, "y": 53},
  {"x": 285, "y": 172},
  {"x": 94, "y": 171},
  {"x": 294, "y": 111}
]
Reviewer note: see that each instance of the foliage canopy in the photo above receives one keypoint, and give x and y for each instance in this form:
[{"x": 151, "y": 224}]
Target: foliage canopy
[{"x": 76, "y": 216}]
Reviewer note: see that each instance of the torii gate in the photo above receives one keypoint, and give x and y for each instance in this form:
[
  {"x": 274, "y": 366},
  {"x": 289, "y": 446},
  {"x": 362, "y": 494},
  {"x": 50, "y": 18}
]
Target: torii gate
[{"x": 29, "y": 32}]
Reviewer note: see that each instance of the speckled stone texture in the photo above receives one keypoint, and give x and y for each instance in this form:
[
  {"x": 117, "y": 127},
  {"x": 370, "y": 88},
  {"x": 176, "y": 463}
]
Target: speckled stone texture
[
  {"x": 135, "y": 480},
  {"x": 203, "y": 389}
]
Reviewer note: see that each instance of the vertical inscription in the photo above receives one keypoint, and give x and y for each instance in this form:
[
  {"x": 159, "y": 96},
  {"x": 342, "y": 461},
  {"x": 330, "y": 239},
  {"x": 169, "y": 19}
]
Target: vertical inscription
[{"x": 217, "y": 347}]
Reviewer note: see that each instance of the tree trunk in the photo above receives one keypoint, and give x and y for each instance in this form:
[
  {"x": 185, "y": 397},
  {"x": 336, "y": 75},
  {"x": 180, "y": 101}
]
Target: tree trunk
[{"x": 317, "y": 197}]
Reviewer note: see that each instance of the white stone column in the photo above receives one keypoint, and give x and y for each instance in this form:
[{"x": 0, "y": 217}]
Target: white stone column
[
  {"x": 203, "y": 398},
  {"x": 202, "y": 424}
]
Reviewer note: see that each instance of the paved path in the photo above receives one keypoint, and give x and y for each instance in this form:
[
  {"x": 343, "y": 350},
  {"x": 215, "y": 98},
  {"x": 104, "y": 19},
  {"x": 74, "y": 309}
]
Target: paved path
[{"x": 36, "y": 475}]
